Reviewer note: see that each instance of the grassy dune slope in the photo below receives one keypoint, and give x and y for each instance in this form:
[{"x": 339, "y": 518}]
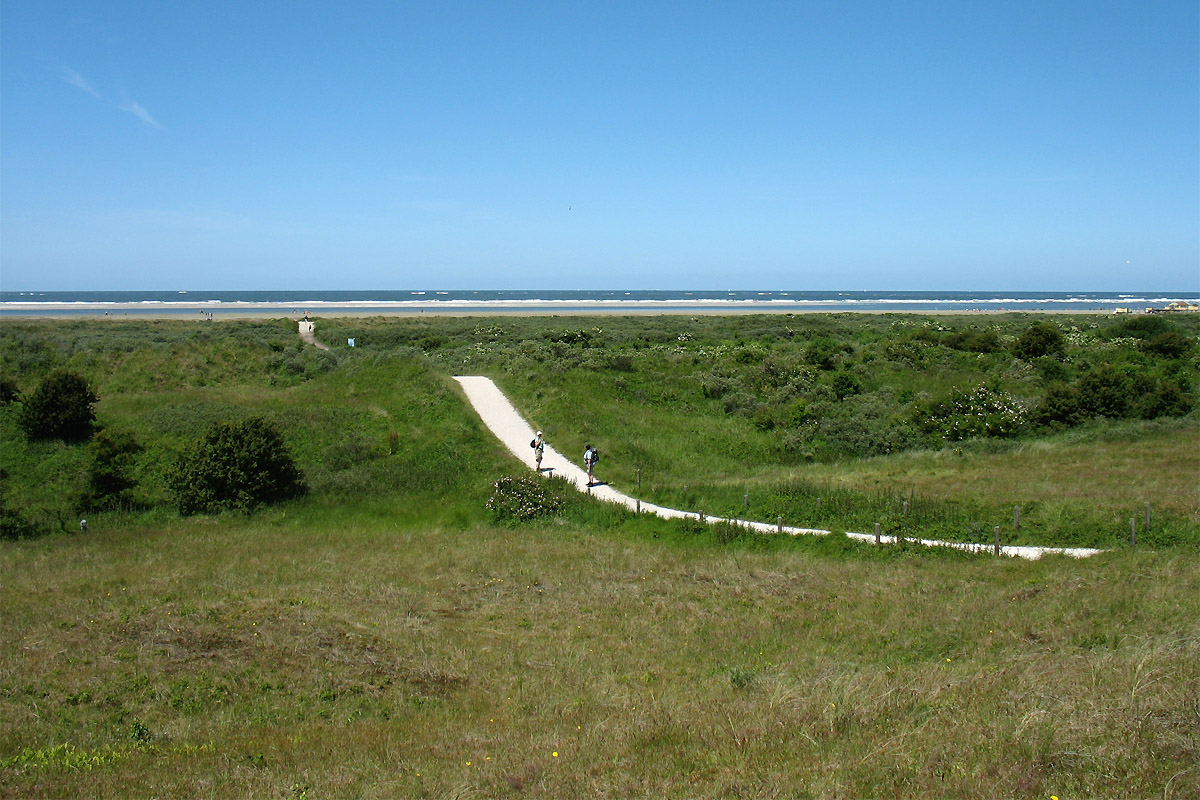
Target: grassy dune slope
[
  {"x": 385, "y": 636},
  {"x": 372, "y": 656}
]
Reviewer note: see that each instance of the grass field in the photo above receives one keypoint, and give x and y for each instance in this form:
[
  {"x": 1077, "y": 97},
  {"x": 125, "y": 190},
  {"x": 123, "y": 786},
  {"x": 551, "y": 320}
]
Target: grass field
[
  {"x": 385, "y": 636},
  {"x": 374, "y": 655}
]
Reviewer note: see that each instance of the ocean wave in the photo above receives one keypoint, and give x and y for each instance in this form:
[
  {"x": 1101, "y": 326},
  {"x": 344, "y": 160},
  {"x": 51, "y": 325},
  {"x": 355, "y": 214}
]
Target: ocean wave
[{"x": 15, "y": 303}]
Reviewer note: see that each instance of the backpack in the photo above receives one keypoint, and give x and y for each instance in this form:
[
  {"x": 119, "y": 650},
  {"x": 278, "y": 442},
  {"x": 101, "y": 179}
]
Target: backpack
[
  {"x": 533, "y": 443},
  {"x": 595, "y": 456}
]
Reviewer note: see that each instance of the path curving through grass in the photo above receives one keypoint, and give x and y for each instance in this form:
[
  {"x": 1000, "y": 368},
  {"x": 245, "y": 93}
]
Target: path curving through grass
[
  {"x": 503, "y": 419},
  {"x": 307, "y": 334}
]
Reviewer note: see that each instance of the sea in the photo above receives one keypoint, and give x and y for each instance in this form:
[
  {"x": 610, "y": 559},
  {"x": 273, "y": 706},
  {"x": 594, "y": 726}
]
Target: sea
[{"x": 285, "y": 302}]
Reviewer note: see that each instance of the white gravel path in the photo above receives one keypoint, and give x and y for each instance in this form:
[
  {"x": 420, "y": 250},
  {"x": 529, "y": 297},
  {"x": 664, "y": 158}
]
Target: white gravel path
[
  {"x": 503, "y": 419},
  {"x": 308, "y": 334}
]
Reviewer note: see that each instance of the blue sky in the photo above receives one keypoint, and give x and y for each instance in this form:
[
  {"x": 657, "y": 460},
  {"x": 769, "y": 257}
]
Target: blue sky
[{"x": 579, "y": 145}]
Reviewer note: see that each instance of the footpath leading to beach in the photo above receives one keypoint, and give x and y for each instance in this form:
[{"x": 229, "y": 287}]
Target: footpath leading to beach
[
  {"x": 307, "y": 333},
  {"x": 503, "y": 419}
]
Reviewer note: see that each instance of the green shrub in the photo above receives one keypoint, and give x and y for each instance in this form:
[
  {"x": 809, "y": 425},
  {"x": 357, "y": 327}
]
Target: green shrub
[
  {"x": 1040, "y": 339},
  {"x": 1059, "y": 408},
  {"x": 1168, "y": 344},
  {"x": 1142, "y": 326},
  {"x": 237, "y": 465},
  {"x": 1105, "y": 391},
  {"x": 964, "y": 414},
  {"x": 845, "y": 384},
  {"x": 110, "y": 483},
  {"x": 973, "y": 341},
  {"x": 1165, "y": 398},
  {"x": 9, "y": 391},
  {"x": 60, "y": 408}
]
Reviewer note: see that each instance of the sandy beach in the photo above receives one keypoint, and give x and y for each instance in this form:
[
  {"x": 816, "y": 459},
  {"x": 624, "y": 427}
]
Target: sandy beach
[{"x": 201, "y": 311}]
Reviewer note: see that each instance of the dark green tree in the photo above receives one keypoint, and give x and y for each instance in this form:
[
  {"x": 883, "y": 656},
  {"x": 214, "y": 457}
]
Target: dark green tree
[
  {"x": 237, "y": 465},
  {"x": 60, "y": 408}
]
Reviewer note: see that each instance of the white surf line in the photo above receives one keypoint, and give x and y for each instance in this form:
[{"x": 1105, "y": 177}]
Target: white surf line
[{"x": 503, "y": 419}]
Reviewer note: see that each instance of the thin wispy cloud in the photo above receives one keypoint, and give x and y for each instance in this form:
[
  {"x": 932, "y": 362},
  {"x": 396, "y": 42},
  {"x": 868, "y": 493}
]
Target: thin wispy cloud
[
  {"x": 74, "y": 78},
  {"x": 79, "y": 82},
  {"x": 136, "y": 109}
]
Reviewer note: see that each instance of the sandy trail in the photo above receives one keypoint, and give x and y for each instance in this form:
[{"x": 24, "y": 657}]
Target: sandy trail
[
  {"x": 307, "y": 328},
  {"x": 503, "y": 419}
]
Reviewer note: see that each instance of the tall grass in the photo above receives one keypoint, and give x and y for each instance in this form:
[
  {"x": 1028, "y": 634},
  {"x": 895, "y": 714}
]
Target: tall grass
[
  {"x": 341, "y": 653},
  {"x": 384, "y": 637}
]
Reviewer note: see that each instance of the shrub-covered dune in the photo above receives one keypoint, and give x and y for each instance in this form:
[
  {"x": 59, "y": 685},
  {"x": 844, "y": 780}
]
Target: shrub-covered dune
[{"x": 386, "y": 633}]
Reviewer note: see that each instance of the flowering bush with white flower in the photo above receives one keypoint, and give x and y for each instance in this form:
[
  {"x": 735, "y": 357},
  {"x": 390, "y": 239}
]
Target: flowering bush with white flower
[
  {"x": 520, "y": 499},
  {"x": 981, "y": 411}
]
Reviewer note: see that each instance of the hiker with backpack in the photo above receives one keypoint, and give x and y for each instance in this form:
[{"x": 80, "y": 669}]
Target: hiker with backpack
[
  {"x": 539, "y": 448},
  {"x": 590, "y": 456}
]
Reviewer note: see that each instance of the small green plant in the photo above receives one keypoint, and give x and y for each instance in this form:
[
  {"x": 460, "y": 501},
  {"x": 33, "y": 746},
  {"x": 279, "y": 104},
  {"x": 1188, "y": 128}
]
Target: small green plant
[
  {"x": 741, "y": 677},
  {"x": 520, "y": 499}
]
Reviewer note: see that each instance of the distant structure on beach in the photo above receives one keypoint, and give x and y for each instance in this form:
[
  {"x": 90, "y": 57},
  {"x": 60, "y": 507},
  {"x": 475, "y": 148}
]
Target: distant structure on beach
[{"x": 1178, "y": 305}]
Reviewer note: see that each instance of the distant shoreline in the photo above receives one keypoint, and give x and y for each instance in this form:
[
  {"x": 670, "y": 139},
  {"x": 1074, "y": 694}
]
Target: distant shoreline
[
  {"x": 202, "y": 311},
  {"x": 294, "y": 304}
]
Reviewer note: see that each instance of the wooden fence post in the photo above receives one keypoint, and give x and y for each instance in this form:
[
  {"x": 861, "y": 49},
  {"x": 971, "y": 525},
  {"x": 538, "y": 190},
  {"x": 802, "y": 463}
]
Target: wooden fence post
[
  {"x": 745, "y": 502},
  {"x": 1147, "y": 517},
  {"x": 996, "y": 539},
  {"x": 1016, "y": 518},
  {"x": 779, "y": 524},
  {"x": 906, "y": 508},
  {"x": 876, "y": 533},
  {"x": 1132, "y": 531},
  {"x": 639, "y": 506},
  {"x": 639, "y": 483}
]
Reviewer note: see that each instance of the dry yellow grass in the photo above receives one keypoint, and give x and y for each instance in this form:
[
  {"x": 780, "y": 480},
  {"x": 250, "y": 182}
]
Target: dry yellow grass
[{"x": 350, "y": 658}]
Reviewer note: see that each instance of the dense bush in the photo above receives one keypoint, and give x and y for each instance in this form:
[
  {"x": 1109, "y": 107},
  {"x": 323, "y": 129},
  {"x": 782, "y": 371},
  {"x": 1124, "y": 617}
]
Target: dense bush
[
  {"x": 9, "y": 392},
  {"x": 1059, "y": 408},
  {"x": 981, "y": 411},
  {"x": 1105, "y": 391},
  {"x": 1168, "y": 344},
  {"x": 237, "y": 465},
  {"x": 520, "y": 499},
  {"x": 1040, "y": 339},
  {"x": 973, "y": 341},
  {"x": 1166, "y": 398},
  {"x": 1141, "y": 326},
  {"x": 110, "y": 479},
  {"x": 60, "y": 408}
]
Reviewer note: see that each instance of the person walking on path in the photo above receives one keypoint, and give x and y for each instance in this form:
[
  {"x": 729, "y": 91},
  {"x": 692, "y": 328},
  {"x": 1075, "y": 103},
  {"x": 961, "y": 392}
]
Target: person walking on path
[
  {"x": 539, "y": 449},
  {"x": 590, "y": 457}
]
